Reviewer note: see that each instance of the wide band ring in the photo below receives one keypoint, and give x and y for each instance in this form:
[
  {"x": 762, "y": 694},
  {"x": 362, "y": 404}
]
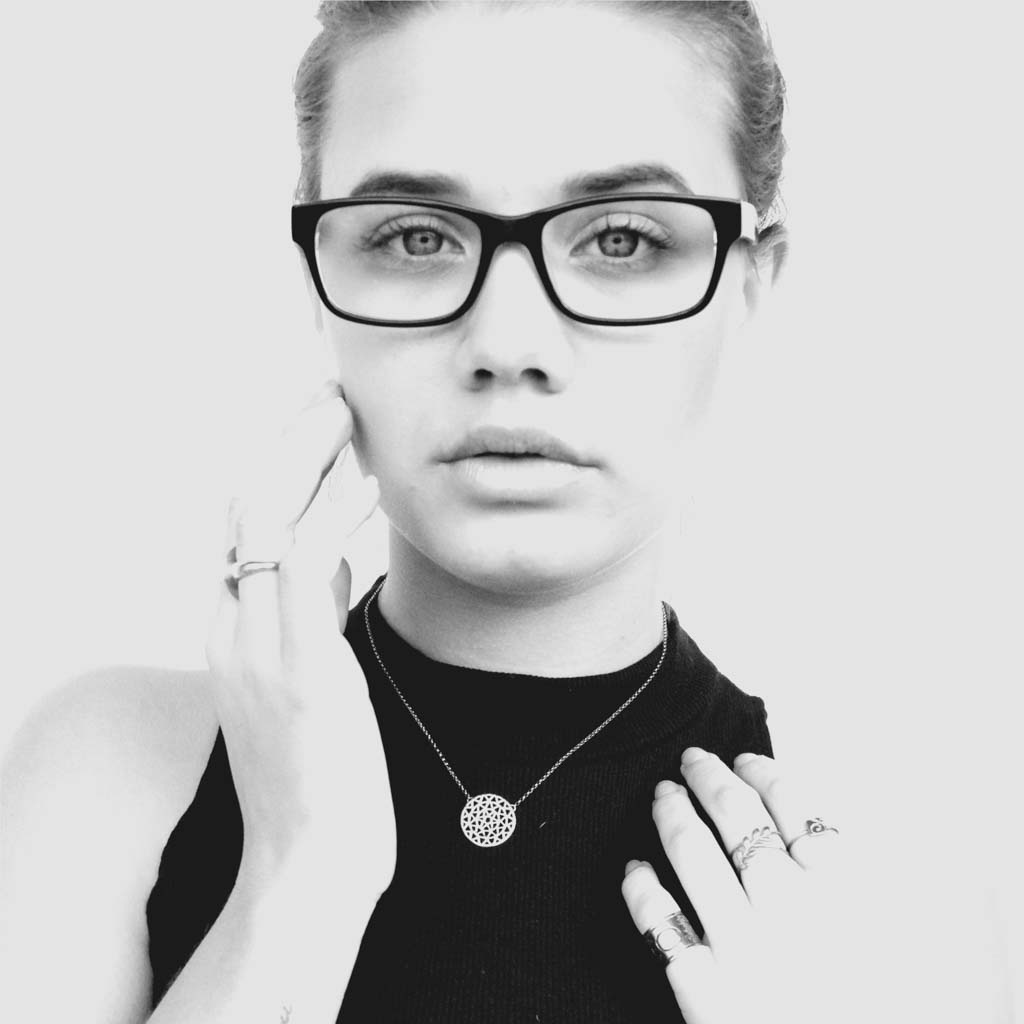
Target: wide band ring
[
  {"x": 812, "y": 827},
  {"x": 669, "y": 938},
  {"x": 765, "y": 838}
]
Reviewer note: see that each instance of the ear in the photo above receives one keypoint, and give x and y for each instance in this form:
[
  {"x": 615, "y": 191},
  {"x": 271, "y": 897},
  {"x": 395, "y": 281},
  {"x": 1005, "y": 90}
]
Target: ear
[
  {"x": 753, "y": 287},
  {"x": 746, "y": 292},
  {"x": 765, "y": 265},
  {"x": 314, "y": 298}
]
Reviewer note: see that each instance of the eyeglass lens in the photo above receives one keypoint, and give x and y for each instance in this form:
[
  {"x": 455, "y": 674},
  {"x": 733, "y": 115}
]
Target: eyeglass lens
[{"x": 617, "y": 260}]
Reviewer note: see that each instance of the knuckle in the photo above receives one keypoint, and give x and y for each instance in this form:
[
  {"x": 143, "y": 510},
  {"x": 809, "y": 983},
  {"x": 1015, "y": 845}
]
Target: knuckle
[
  {"x": 650, "y": 903},
  {"x": 669, "y": 807},
  {"x": 773, "y": 789},
  {"x": 634, "y": 885},
  {"x": 706, "y": 769},
  {"x": 675, "y": 827},
  {"x": 679, "y": 840},
  {"x": 728, "y": 798}
]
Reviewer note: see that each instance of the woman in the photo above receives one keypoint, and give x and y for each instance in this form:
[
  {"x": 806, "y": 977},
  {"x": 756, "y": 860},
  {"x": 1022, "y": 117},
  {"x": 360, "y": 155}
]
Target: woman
[{"x": 506, "y": 785}]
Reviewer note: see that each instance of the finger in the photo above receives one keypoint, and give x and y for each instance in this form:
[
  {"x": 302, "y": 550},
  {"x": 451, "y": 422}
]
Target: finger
[
  {"x": 314, "y": 592},
  {"x": 789, "y": 803},
  {"x": 227, "y": 585},
  {"x": 743, "y": 822},
  {"x": 692, "y": 972},
  {"x": 220, "y": 637},
  {"x": 705, "y": 874},
  {"x": 290, "y": 472},
  {"x": 289, "y": 480}
]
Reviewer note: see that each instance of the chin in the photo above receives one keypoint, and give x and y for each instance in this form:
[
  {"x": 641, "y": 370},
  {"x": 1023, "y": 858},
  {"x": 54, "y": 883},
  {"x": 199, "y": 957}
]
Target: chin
[{"x": 525, "y": 563}]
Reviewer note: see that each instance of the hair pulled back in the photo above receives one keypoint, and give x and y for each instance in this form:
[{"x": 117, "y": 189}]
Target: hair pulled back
[{"x": 733, "y": 37}]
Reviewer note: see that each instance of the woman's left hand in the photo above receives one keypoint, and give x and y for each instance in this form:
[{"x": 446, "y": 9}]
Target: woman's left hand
[{"x": 773, "y": 927}]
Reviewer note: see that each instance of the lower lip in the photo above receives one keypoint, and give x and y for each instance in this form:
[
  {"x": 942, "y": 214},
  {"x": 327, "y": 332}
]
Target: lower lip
[{"x": 516, "y": 478}]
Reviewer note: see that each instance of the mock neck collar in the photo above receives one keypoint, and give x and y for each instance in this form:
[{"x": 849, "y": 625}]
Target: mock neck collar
[{"x": 480, "y": 714}]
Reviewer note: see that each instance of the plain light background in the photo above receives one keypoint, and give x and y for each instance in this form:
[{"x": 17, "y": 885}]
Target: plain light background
[{"x": 851, "y": 549}]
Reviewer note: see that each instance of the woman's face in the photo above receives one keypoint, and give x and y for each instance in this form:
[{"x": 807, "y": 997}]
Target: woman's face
[{"x": 512, "y": 103}]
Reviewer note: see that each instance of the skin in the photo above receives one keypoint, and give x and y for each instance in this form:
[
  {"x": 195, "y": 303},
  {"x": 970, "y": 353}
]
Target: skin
[{"x": 568, "y": 586}]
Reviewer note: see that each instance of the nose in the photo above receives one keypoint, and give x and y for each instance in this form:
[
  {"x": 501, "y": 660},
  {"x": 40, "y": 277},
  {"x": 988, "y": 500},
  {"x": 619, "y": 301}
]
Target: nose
[{"x": 513, "y": 332}]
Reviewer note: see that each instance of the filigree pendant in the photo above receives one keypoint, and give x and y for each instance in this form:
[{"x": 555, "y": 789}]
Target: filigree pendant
[{"x": 488, "y": 819}]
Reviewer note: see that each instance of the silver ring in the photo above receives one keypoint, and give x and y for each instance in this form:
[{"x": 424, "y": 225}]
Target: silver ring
[
  {"x": 812, "y": 827},
  {"x": 670, "y": 937},
  {"x": 239, "y": 570},
  {"x": 765, "y": 838}
]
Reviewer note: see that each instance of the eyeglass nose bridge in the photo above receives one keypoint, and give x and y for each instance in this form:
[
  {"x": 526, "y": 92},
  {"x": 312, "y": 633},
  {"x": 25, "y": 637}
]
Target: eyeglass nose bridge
[{"x": 524, "y": 229}]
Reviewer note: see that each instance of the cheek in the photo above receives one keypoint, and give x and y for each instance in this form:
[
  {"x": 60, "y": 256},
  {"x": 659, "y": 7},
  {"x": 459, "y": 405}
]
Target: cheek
[
  {"x": 697, "y": 355},
  {"x": 366, "y": 381},
  {"x": 669, "y": 398}
]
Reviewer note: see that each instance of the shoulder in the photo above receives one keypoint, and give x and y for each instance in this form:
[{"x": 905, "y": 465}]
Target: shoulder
[
  {"x": 93, "y": 782},
  {"x": 738, "y": 717},
  {"x": 123, "y": 746}
]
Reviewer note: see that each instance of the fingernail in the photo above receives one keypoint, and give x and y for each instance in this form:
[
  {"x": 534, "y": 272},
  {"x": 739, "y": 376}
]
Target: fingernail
[
  {"x": 633, "y": 865},
  {"x": 744, "y": 759},
  {"x": 692, "y": 755},
  {"x": 665, "y": 787}
]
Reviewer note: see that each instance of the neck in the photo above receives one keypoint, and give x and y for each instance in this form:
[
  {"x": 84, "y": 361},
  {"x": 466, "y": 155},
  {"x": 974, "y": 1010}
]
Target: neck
[{"x": 584, "y": 627}]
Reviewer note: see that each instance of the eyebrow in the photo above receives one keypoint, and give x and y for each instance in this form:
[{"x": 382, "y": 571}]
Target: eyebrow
[{"x": 443, "y": 186}]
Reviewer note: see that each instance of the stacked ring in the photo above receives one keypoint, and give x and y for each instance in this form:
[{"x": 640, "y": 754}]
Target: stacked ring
[
  {"x": 812, "y": 827},
  {"x": 765, "y": 838}
]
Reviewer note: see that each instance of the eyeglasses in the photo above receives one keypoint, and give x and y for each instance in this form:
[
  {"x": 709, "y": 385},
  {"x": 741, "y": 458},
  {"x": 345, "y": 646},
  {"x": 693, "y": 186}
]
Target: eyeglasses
[{"x": 622, "y": 260}]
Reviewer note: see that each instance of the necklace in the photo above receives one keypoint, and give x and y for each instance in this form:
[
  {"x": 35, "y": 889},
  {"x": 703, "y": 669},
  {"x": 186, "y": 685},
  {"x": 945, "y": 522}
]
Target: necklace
[{"x": 489, "y": 819}]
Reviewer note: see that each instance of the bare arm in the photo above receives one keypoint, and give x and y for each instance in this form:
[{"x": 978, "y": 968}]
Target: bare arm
[
  {"x": 88, "y": 794},
  {"x": 282, "y": 949}
]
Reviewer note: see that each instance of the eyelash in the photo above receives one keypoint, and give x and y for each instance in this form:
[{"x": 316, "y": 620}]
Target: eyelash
[
  {"x": 380, "y": 236},
  {"x": 656, "y": 239}
]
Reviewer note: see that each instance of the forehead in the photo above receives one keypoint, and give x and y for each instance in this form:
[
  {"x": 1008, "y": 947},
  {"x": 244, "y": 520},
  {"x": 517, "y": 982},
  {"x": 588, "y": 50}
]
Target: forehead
[{"x": 515, "y": 101}]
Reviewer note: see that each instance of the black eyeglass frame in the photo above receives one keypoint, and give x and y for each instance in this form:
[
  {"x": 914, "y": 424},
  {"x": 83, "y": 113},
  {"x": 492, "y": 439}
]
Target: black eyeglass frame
[{"x": 734, "y": 219}]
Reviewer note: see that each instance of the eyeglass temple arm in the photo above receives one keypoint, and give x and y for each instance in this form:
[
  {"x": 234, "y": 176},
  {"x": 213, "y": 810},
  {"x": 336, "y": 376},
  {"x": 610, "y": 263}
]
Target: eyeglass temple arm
[{"x": 748, "y": 221}]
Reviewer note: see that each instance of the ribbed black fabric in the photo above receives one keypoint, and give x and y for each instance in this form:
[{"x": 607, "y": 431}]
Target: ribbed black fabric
[{"x": 535, "y": 929}]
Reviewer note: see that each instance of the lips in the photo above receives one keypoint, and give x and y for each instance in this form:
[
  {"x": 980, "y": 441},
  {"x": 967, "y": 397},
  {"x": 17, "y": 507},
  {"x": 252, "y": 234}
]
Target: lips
[{"x": 514, "y": 441}]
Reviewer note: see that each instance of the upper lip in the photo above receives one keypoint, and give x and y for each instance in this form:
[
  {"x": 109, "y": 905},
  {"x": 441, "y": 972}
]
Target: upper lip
[{"x": 514, "y": 441}]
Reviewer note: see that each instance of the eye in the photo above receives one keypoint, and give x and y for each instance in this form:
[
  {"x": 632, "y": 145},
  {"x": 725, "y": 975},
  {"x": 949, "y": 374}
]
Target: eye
[
  {"x": 620, "y": 236},
  {"x": 620, "y": 242},
  {"x": 414, "y": 236}
]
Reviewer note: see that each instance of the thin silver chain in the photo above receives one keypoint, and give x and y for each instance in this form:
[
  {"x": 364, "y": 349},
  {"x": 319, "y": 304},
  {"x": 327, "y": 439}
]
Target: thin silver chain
[{"x": 564, "y": 757}]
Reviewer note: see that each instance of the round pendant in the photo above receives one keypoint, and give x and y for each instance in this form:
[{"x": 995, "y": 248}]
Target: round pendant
[{"x": 488, "y": 819}]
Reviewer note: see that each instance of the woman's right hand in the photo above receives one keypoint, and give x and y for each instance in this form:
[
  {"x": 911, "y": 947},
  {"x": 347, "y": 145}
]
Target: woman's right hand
[{"x": 301, "y": 734}]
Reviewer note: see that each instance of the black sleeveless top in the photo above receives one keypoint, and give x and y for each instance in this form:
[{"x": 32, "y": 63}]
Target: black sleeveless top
[{"x": 532, "y": 930}]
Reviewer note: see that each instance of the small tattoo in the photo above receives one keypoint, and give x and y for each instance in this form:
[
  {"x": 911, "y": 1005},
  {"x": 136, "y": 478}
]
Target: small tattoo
[{"x": 286, "y": 1014}]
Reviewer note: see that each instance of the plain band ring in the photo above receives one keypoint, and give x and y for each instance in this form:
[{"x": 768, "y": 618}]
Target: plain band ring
[
  {"x": 670, "y": 937},
  {"x": 812, "y": 827},
  {"x": 238, "y": 571}
]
